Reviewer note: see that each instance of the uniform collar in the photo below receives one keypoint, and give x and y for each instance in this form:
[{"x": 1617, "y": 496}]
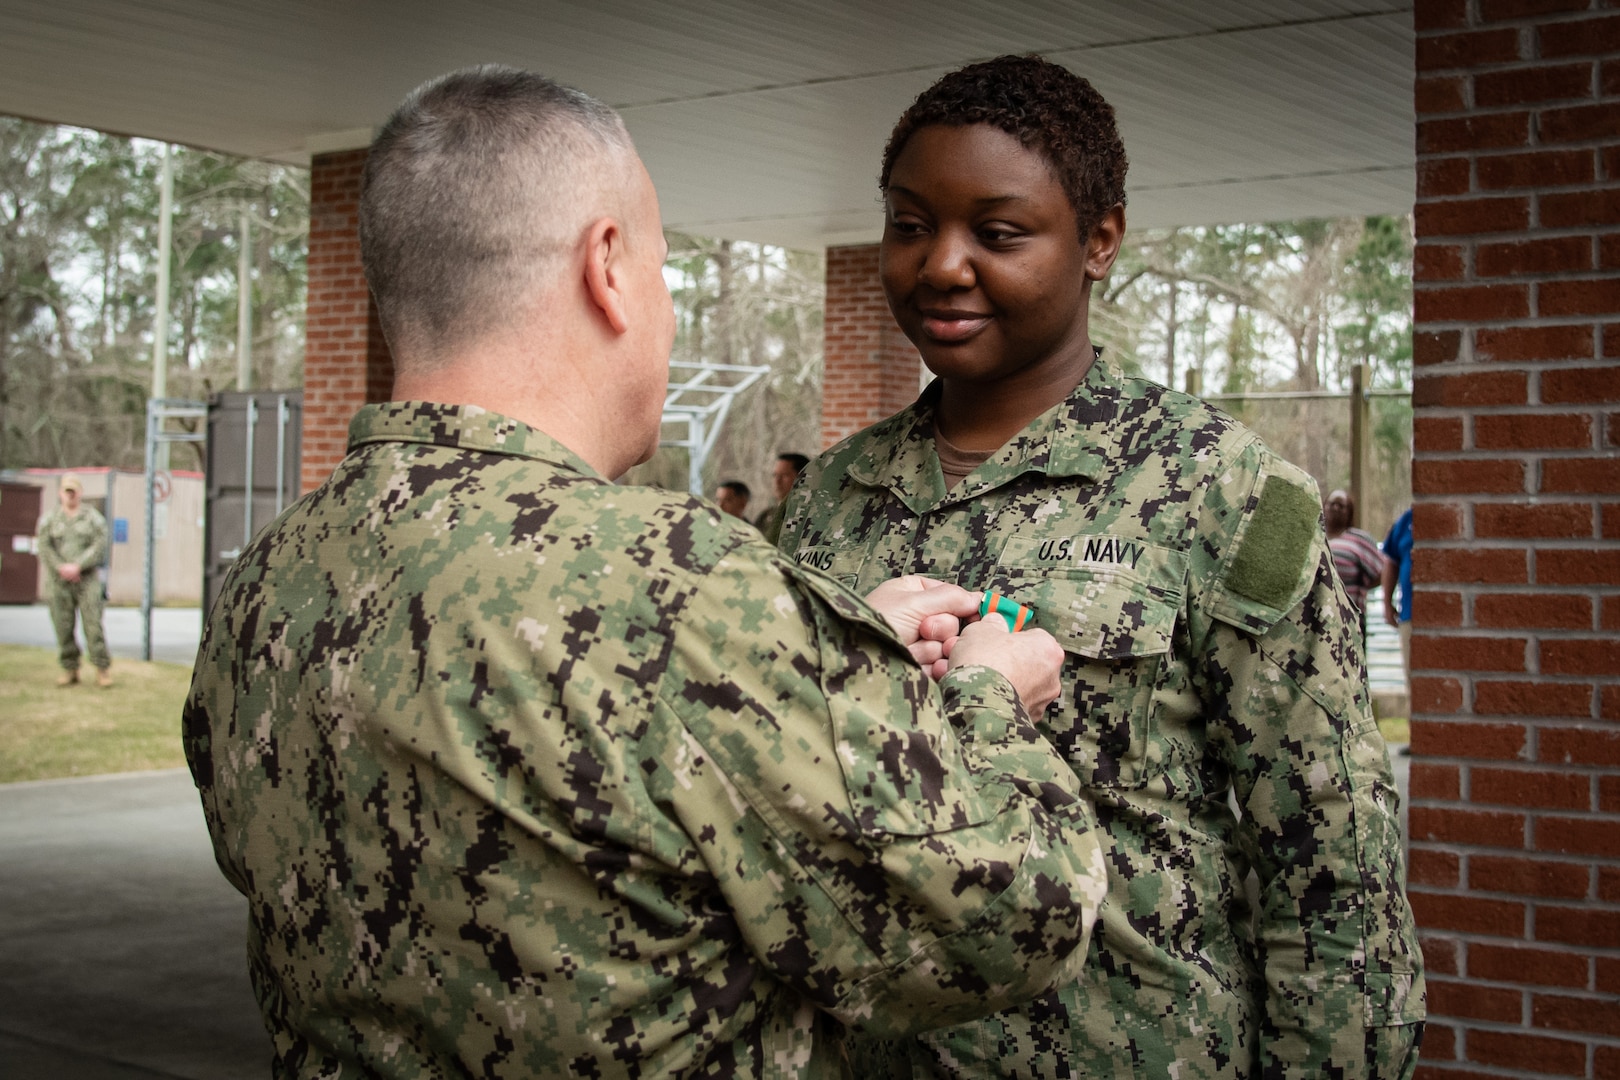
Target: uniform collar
[
  {"x": 1074, "y": 438},
  {"x": 465, "y": 427}
]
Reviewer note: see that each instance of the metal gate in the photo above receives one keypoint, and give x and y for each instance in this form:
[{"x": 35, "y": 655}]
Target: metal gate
[{"x": 253, "y": 472}]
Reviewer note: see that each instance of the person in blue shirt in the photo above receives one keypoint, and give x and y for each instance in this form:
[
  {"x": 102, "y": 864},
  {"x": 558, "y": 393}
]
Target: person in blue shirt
[{"x": 1398, "y": 570}]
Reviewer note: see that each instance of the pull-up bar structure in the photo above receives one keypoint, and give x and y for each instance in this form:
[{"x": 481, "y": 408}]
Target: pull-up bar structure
[{"x": 698, "y": 399}]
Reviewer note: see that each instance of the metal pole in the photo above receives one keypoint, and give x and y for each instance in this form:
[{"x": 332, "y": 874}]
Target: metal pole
[
  {"x": 160, "y": 318},
  {"x": 283, "y": 414},
  {"x": 244, "y": 307},
  {"x": 694, "y": 455},
  {"x": 151, "y": 514},
  {"x": 1358, "y": 433},
  {"x": 247, "y": 472},
  {"x": 111, "y": 512}
]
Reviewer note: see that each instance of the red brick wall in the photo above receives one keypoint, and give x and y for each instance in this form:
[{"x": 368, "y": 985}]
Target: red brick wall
[
  {"x": 871, "y": 371},
  {"x": 346, "y": 360},
  {"x": 1515, "y": 811}
]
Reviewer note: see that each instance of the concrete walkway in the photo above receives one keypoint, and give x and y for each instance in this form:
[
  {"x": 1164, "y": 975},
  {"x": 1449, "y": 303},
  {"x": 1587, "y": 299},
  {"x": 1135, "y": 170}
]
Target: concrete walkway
[
  {"x": 175, "y": 631},
  {"x": 123, "y": 951}
]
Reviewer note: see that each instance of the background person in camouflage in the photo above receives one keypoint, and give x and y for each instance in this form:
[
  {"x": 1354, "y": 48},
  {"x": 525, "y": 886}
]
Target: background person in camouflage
[
  {"x": 525, "y": 774},
  {"x": 731, "y": 496},
  {"x": 72, "y": 544},
  {"x": 784, "y": 472},
  {"x": 1211, "y": 652}
]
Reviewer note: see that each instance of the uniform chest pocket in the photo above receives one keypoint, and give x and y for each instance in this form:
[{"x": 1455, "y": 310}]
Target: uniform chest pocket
[{"x": 1116, "y": 623}]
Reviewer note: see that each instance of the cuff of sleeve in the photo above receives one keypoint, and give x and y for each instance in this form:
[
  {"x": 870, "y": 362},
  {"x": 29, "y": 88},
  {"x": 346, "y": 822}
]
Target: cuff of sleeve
[
  {"x": 982, "y": 699},
  {"x": 1031, "y": 937}
]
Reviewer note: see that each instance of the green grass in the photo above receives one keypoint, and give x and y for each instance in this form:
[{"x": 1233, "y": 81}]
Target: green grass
[{"x": 47, "y": 732}]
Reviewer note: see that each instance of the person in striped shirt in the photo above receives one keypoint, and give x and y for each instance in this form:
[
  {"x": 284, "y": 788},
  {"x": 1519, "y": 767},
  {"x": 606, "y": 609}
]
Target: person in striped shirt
[{"x": 1355, "y": 553}]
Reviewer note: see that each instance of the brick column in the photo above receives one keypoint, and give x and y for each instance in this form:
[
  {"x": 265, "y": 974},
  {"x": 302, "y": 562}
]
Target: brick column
[
  {"x": 346, "y": 360},
  {"x": 871, "y": 371},
  {"x": 1515, "y": 813}
]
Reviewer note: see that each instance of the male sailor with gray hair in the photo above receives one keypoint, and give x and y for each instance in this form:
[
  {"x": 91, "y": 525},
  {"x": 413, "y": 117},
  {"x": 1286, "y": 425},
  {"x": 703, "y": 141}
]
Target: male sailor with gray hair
[{"x": 528, "y": 774}]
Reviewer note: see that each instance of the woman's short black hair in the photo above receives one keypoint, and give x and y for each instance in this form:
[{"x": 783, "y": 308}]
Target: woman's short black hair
[{"x": 1047, "y": 108}]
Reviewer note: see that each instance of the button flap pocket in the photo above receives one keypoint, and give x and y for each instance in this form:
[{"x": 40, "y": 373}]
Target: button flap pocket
[{"x": 1100, "y": 596}]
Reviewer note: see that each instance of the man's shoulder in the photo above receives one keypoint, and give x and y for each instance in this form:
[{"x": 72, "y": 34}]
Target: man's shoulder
[
  {"x": 678, "y": 529},
  {"x": 482, "y": 507},
  {"x": 597, "y": 556}
]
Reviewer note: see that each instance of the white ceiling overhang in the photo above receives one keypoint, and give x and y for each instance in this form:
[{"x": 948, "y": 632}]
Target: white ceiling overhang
[{"x": 765, "y": 120}]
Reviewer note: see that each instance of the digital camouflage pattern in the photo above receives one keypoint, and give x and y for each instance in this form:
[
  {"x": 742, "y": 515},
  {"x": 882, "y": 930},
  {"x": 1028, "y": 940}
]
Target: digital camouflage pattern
[
  {"x": 1211, "y": 655},
  {"x": 526, "y": 774},
  {"x": 769, "y": 521},
  {"x": 79, "y": 538}
]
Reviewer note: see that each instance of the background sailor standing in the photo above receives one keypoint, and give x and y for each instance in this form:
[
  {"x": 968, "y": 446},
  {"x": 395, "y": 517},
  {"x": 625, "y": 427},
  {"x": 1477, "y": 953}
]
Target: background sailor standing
[{"x": 73, "y": 543}]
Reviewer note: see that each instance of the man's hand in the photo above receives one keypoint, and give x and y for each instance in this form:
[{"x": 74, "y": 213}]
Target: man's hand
[
  {"x": 926, "y": 615},
  {"x": 68, "y": 571},
  {"x": 1032, "y": 660}
]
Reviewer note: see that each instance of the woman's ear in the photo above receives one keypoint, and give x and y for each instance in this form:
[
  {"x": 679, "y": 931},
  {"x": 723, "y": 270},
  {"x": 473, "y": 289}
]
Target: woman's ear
[
  {"x": 605, "y": 272},
  {"x": 1102, "y": 246}
]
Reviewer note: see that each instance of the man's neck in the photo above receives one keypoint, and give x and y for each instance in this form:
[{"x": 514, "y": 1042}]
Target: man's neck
[{"x": 542, "y": 394}]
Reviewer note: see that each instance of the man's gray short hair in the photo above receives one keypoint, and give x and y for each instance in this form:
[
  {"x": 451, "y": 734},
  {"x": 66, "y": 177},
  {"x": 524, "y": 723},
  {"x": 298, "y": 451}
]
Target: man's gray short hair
[{"x": 473, "y": 192}]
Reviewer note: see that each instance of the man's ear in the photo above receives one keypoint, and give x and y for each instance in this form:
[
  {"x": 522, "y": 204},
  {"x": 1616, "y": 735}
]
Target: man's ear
[
  {"x": 1102, "y": 246},
  {"x": 605, "y": 272}
]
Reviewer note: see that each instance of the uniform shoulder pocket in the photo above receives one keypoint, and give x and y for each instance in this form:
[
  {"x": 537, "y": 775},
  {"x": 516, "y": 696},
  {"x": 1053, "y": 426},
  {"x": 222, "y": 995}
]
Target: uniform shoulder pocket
[{"x": 1270, "y": 562}]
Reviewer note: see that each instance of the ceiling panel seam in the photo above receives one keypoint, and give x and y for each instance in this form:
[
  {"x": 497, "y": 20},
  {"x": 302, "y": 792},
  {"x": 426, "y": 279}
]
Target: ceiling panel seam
[{"x": 1158, "y": 39}]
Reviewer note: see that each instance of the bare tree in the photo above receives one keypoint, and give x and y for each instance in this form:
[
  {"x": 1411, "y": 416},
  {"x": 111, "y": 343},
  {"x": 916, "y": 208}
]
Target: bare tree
[
  {"x": 752, "y": 304},
  {"x": 78, "y": 237}
]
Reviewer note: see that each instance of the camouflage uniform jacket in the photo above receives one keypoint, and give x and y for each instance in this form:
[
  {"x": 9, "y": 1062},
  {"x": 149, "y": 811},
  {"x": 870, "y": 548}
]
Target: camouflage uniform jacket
[
  {"x": 81, "y": 539},
  {"x": 1211, "y": 657},
  {"x": 526, "y": 774}
]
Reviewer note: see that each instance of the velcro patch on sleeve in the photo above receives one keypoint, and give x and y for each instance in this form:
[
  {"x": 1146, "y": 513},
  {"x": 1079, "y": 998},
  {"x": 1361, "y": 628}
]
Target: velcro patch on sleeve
[{"x": 1271, "y": 557}]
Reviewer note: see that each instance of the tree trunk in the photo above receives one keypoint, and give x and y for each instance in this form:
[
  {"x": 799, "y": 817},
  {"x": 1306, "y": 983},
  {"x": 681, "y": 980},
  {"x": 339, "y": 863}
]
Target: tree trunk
[
  {"x": 5, "y": 383},
  {"x": 264, "y": 351},
  {"x": 1171, "y": 327},
  {"x": 724, "y": 301}
]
